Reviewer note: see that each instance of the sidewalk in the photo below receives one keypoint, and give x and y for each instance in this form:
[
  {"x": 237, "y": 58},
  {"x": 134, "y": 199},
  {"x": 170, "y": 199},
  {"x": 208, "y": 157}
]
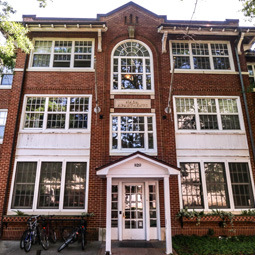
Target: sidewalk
[{"x": 92, "y": 248}]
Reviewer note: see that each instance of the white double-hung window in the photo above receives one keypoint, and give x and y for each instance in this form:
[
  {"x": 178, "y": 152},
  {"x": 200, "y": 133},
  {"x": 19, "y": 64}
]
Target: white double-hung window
[
  {"x": 132, "y": 132},
  {"x": 201, "y": 55},
  {"x": 62, "y": 53},
  {"x": 57, "y": 112},
  {"x": 206, "y": 113}
]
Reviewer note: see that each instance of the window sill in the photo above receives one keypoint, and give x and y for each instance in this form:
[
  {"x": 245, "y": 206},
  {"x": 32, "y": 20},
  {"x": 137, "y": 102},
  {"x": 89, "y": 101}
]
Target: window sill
[
  {"x": 39, "y": 131},
  {"x": 126, "y": 153},
  {"x": 5, "y": 86},
  {"x": 82, "y": 70},
  {"x": 218, "y": 132},
  {"x": 132, "y": 92},
  {"x": 204, "y": 71}
]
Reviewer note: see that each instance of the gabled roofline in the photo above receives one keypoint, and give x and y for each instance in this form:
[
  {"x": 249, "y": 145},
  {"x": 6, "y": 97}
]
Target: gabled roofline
[
  {"x": 132, "y": 155},
  {"x": 127, "y": 5}
]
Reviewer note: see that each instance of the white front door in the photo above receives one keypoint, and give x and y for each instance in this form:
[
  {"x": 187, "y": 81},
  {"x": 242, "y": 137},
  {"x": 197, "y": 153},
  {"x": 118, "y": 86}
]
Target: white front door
[{"x": 133, "y": 211}]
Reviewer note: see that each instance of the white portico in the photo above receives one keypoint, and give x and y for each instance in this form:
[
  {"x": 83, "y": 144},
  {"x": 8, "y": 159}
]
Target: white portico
[{"x": 133, "y": 211}]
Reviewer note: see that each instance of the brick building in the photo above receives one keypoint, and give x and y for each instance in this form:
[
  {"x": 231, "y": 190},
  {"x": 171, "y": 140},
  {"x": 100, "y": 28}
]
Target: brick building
[{"x": 87, "y": 124}]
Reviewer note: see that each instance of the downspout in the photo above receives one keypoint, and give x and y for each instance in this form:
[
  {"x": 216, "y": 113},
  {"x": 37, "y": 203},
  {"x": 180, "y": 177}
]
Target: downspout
[
  {"x": 245, "y": 101},
  {"x": 13, "y": 145}
]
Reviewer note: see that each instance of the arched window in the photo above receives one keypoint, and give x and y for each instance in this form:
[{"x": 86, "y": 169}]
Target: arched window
[{"x": 132, "y": 67}]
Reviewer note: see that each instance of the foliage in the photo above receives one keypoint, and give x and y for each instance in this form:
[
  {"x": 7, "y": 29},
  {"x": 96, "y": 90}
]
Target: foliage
[
  {"x": 12, "y": 35},
  {"x": 248, "y": 8},
  {"x": 85, "y": 214},
  {"x": 195, "y": 245},
  {"x": 19, "y": 213},
  {"x": 225, "y": 216},
  {"x": 250, "y": 212},
  {"x": 190, "y": 215}
]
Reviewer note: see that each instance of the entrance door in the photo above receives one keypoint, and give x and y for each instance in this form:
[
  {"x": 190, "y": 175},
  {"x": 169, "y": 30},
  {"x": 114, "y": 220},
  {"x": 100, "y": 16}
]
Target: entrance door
[{"x": 133, "y": 211}]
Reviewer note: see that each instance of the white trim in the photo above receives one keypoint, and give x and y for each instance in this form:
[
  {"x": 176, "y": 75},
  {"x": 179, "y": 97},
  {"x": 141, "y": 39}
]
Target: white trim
[
  {"x": 129, "y": 91},
  {"x": 210, "y": 56},
  {"x": 126, "y": 151},
  {"x": 168, "y": 230},
  {"x": 5, "y": 86},
  {"x": 53, "y": 39},
  {"x": 68, "y": 112},
  {"x": 206, "y": 72},
  {"x": 226, "y": 162},
  {"x": 108, "y": 215},
  {"x": 60, "y": 210},
  {"x": 43, "y": 69}
]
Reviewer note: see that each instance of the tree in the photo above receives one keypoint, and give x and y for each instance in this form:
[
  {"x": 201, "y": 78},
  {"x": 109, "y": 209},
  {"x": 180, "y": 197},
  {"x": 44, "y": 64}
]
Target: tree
[
  {"x": 248, "y": 8},
  {"x": 12, "y": 35}
]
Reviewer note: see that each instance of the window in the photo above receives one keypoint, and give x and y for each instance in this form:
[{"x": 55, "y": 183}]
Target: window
[
  {"x": 6, "y": 76},
  {"x": 3, "y": 117},
  {"x": 202, "y": 55},
  {"x": 23, "y": 194},
  {"x": 241, "y": 185},
  {"x": 216, "y": 184},
  {"x": 63, "y": 53},
  {"x": 210, "y": 185},
  {"x": 251, "y": 70},
  {"x": 132, "y": 67},
  {"x": 60, "y": 113},
  {"x": 207, "y": 113},
  {"x": 192, "y": 193},
  {"x": 153, "y": 206},
  {"x": 48, "y": 185},
  {"x": 115, "y": 209},
  {"x": 133, "y": 132}
]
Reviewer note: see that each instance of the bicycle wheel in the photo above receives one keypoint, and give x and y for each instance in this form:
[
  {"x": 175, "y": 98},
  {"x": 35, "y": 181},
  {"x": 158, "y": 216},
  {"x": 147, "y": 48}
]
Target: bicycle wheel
[
  {"x": 53, "y": 236},
  {"x": 44, "y": 239},
  {"x": 22, "y": 239},
  {"x": 28, "y": 241},
  {"x": 66, "y": 233},
  {"x": 68, "y": 241},
  {"x": 82, "y": 240}
]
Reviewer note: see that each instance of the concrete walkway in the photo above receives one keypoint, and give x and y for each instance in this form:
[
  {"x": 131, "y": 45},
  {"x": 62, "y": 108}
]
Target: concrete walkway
[{"x": 92, "y": 248}]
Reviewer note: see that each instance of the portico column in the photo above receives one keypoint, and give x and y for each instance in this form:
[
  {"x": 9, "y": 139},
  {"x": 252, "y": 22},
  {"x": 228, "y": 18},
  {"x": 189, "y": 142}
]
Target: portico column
[
  {"x": 168, "y": 231},
  {"x": 108, "y": 216}
]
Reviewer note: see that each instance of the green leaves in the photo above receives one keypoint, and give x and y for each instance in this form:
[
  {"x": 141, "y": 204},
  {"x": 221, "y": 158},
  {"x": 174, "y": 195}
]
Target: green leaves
[{"x": 248, "y": 8}]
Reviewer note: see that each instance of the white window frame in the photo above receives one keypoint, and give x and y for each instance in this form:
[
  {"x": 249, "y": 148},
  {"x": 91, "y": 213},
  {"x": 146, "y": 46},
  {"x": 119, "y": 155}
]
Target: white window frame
[
  {"x": 196, "y": 113},
  {"x": 6, "y": 71},
  {"x": 226, "y": 162},
  {"x": 252, "y": 76},
  {"x": 64, "y": 69},
  {"x": 60, "y": 210},
  {"x": 192, "y": 69},
  {"x": 126, "y": 151},
  {"x": 132, "y": 91},
  {"x": 4, "y": 110},
  {"x": 44, "y": 129}
]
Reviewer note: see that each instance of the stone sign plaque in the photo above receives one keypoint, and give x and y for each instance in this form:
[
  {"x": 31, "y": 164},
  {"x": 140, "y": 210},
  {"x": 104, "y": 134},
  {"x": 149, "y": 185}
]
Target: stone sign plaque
[{"x": 132, "y": 103}]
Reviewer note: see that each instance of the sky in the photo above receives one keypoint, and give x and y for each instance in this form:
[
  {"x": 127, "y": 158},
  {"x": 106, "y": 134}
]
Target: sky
[{"x": 174, "y": 9}]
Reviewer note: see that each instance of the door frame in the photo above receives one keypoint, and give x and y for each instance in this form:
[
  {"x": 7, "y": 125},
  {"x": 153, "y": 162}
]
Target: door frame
[{"x": 149, "y": 232}]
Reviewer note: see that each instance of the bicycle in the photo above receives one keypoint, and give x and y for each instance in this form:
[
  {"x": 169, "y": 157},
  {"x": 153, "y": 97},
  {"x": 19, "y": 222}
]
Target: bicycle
[
  {"x": 33, "y": 233},
  {"x": 77, "y": 232},
  {"x": 50, "y": 231}
]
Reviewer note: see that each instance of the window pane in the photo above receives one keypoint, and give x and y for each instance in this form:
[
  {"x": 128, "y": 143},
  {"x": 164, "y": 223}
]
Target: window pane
[
  {"x": 56, "y": 121},
  {"x": 219, "y": 49},
  {"x": 131, "y": 81},
  {"x": 75, "y": 185},
  {"x": 208, "y": 121},
  {"x": 78, "y": 121},
  {"x": 49, "y": 187},
  {"x": 153, "y": 209},
  {"x": 7, "y": 79},
  {"x": 200, "y": 49},
  {"x": 180, "y": 48},
  {"x": 132, "y": 140},
  {"x": 186, "y": 121},
  {"x": 217, "y": 193},
  {"x": 206, "y": 105},
  {"x": 3, "y": 117},
  {"x": 230, "y": 122},
  {"x": 192, "y": 193},
  {"x": 184, "y": 105},
  {"x": 228, "y": 105},
  {"x": 82, "y": 54},
  {"x": 201, "y": 63},
  {"x": 221, "y": 63},
  {"x": 114, "y": 206},
  {"x": 241, "y": 185},
  {"x": 23, "y": 193},
  {"x": 182, "y": 62}
]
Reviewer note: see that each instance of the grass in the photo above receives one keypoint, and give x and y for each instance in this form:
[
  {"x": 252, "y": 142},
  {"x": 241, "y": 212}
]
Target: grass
[{"x": 205, "y": 245}]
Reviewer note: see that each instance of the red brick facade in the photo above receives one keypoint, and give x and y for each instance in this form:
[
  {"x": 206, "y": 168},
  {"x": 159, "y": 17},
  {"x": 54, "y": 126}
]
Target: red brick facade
[{"x": 68, "y": 83}]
